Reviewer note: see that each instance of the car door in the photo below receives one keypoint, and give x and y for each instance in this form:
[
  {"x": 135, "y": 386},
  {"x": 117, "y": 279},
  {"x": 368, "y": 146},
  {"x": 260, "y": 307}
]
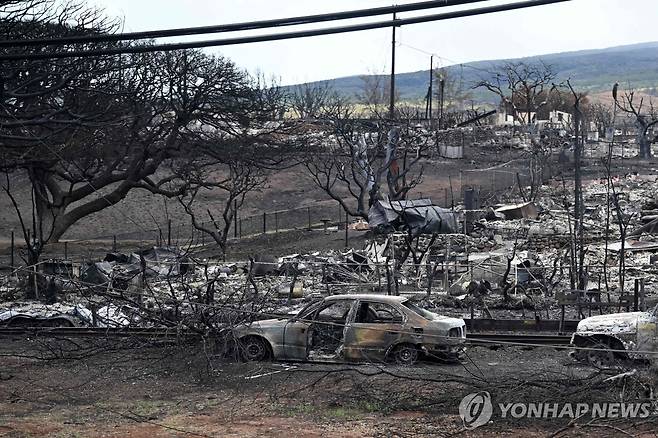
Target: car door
[
  {"x": 376, "y": 326},
  {"x": 327, "y": 331},
  {"x": 295, "y": 333}
]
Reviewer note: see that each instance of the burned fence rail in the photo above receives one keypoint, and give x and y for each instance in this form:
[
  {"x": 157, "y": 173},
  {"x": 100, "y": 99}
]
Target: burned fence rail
[
  {"x": 182, "y": 234},
  {"x": 302, "y": 218}
]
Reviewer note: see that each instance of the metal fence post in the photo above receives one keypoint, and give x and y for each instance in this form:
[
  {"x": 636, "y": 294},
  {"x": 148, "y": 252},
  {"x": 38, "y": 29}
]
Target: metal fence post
[
  {"x": 276, "y": 222},
  {"x": 264, "y": 222},
  {"x": 169, "y": 232},
  {"x": 308, "y": 211}
]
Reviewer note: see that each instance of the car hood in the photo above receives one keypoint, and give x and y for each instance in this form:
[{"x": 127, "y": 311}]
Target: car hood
[
  {"x": 268, "y": 323},
  {"x": 614, "y": 323}
]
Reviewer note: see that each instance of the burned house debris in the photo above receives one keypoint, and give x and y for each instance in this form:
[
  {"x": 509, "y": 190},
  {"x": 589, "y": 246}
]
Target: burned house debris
[
  {"x": 121, "y": 269},
  {"x": 413, "y": 216}
]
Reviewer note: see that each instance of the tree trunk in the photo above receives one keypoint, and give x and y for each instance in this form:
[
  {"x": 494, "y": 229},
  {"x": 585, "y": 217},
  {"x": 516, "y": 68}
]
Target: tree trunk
[{"x": 645, "y": 145}]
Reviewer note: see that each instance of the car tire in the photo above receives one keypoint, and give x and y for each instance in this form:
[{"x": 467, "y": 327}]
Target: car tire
[
  {"x": 601, "y": 356},
  {"x": 254, "y": 349},
  {"x": 405, "y": 354}
]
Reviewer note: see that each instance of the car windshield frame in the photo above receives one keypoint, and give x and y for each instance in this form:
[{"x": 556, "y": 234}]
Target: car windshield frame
[
  {"x": 426, "y": 314},
  {"x": 307, "y": 309}
]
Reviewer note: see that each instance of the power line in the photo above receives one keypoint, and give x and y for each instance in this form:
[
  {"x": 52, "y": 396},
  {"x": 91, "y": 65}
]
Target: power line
[
  {"x": 233, "y": 27},
  {"x": 280, "y": 36},
  {"x": 453, "y": 62}
]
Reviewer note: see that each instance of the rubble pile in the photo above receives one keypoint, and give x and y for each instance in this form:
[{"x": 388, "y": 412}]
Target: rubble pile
[{"x": 515, "y": 257}]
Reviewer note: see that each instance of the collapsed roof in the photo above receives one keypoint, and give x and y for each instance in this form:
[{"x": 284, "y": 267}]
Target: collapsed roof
[{"x": 418, "y": 216}]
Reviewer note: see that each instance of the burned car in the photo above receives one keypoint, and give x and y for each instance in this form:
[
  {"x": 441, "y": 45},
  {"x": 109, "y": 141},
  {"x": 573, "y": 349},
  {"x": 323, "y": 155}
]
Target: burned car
[
  {"x": 616, "y": 337},
  {"x": 365, "y": 328}
]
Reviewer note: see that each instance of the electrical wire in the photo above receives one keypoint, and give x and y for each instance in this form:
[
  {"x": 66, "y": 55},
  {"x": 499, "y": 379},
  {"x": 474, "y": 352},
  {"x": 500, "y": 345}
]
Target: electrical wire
[
  {"x": 279, "y": 36},
  {"x": 452, "y": 61},
  {"x": 233, "y": 27}
]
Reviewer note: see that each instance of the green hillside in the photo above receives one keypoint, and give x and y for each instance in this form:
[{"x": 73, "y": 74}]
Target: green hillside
[{"x": 590, "y": 70}]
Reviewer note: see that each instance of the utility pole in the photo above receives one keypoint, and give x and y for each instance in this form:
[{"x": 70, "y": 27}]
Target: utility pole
[
  {"x": 391, "y": 107},
  {"x": 442, "y": 87},
  {"x": 429, "y": 95}
]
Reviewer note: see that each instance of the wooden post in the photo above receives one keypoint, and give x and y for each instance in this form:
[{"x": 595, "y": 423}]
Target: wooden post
[
  {"x": 308, "y": 211},
  {"x": 264, "y": 223},
  {"x": 636, "y": 295},
  {"x": 276, "y": 222},
  {"x": 240, "y": 229},
  {"x": 388, "y": 278},
  {"x": 346, "y": 229},
  {"x": 461, "y": 184},
  {"x": 235, "y": 219},
  {"x": 114, "y": 243},
  {"x": 36, "y": 286},
  {"x": 12, "y": 249},
  {"x": 169, "y": 232}
]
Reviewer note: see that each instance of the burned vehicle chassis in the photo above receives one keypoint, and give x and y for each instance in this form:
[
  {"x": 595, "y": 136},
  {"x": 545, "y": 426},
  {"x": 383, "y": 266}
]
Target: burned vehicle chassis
[
  {"x": 354, "y": 328},
  {"x": 606, "y": 340}
]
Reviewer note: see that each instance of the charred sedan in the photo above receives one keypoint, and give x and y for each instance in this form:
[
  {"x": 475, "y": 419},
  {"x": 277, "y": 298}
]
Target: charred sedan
[{"x": 362, "y": 328}]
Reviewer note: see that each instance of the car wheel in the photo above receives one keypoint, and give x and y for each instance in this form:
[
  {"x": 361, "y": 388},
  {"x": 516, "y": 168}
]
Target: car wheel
[
  {"x": 601, "y": 356},
  {"x": 254, "y": 349},
  {"x": 405, "y": 354}
]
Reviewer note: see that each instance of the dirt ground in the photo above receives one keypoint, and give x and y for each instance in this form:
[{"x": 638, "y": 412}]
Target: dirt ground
[
  {"x": 121, "y": 388},
  {"x": 286, "y": 189}
]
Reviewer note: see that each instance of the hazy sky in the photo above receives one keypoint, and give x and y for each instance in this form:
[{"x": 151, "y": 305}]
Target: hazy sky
[{"x": 574, "y": 25}]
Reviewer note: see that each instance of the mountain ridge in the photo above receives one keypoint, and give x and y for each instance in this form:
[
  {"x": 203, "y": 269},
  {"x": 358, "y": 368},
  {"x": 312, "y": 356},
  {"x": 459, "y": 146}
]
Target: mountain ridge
[{"x": 591, "y": 70}]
